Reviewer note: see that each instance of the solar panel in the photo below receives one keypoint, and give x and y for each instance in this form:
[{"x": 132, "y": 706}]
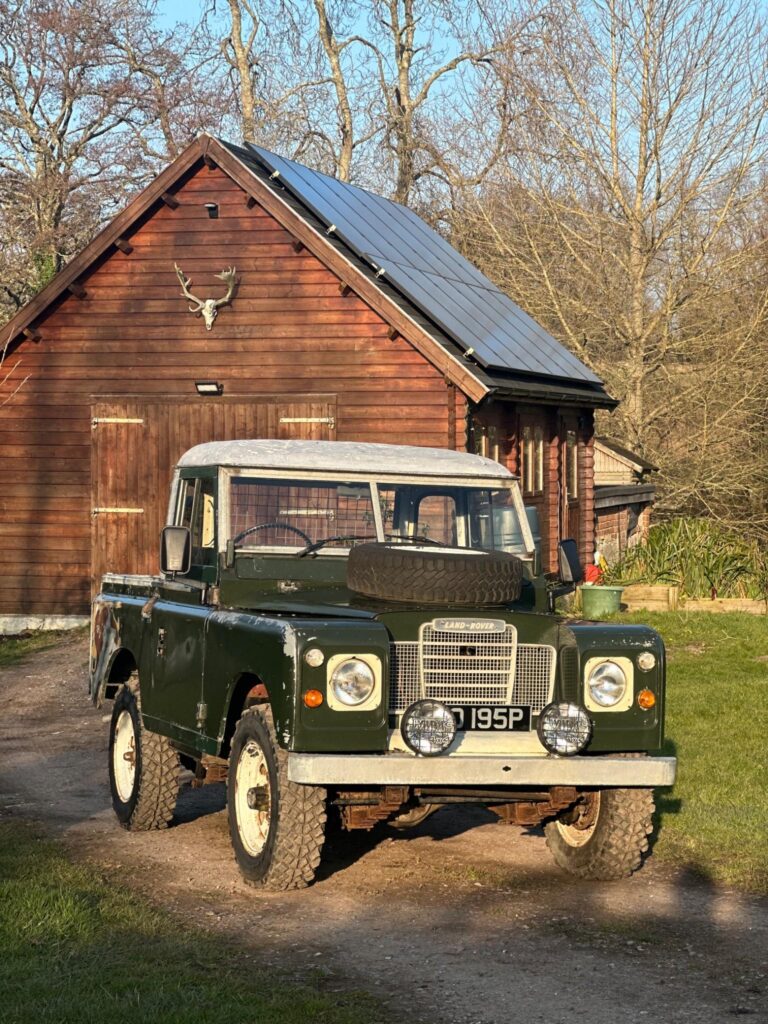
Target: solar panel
[{"x": 428, "y": 271}]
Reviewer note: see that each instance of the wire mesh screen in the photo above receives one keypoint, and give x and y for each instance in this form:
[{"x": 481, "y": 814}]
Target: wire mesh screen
[
  {"x": 292, "y": 513},
  {"x": 533, "y": 683}
]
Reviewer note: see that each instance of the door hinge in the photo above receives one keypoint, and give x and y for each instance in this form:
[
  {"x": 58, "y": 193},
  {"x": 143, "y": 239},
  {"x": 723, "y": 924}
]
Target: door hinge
[
  {"x": 114, "y": 419},
  {"x": 160, "y": 643},
  {"x": 201, "y": 713},
  {"x": 125, "y": 511},
  {"x": 330, "y": 420}
]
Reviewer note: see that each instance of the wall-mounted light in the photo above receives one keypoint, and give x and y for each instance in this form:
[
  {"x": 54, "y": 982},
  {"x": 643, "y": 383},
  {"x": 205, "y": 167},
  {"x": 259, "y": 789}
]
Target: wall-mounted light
[
  {"x": 213, "y": 210},
  {"x": 209, "y": 387}
]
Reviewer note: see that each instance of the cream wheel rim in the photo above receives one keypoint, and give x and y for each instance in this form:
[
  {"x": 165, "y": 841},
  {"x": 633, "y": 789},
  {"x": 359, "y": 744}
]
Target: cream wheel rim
[
  {"x": 124, "y": 757},
  {"x": 575, "y": 836},
  {"x": 252, "y": 773}
]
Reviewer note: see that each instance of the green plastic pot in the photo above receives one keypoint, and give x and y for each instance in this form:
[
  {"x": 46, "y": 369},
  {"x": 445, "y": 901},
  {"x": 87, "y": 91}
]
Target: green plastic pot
[{"x": 597, "y": 602}]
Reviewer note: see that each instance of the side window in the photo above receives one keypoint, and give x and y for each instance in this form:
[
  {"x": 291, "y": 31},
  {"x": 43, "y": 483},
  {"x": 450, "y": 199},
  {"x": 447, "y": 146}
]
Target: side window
[
  {"x": 185, "y": 503},
  {"x": 204, "y": 524},
  {"x": 436, "y": 518}
]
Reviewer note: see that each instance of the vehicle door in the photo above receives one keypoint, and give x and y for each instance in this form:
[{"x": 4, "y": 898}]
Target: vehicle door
[{"x": 178, "y": 618}]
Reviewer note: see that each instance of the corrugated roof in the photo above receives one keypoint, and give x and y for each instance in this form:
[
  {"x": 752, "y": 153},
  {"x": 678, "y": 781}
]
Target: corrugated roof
[
  {"x": 448, "y": 290},
  {"x": 625, "y": 453}
]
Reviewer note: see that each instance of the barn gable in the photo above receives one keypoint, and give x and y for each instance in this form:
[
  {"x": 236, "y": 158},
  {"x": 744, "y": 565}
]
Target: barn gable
[{"x": 312, "y": 345}]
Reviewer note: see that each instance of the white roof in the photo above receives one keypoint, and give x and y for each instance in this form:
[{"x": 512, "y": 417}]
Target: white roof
[{"x": 343, "y": 457}]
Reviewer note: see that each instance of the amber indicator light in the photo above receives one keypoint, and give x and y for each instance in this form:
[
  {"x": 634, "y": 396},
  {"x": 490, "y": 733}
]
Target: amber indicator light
[
  {"x": 313, "y": 698},
  {"x": 646, "y": 699}
]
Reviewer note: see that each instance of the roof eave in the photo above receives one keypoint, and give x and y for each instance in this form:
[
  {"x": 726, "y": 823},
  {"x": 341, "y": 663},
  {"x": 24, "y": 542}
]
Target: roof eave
[{"x": 553, "y": 393}]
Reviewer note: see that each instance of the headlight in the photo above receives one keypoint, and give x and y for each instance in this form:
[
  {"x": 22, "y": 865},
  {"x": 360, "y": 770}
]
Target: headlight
[
  {"x": 352, "y": 682},
  {"x": 428, "y": 727},
  {"x": 564, "y": 728},
  {"x": 607, "y": 684}
]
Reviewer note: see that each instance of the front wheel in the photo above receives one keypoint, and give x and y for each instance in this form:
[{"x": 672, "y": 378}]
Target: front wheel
[
  {"x": 143, "y": 768},
  {"x": 605, "y": 836},
  {"x": 277, "y": 826}
]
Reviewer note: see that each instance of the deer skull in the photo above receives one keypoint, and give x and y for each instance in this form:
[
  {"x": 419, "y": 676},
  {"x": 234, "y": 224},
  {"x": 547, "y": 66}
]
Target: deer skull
[{"x": 208, "y": 309}]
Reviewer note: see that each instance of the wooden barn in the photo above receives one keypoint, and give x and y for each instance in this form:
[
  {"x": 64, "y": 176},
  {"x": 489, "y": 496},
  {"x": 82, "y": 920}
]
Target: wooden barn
[{"x": 346, "y": 317}]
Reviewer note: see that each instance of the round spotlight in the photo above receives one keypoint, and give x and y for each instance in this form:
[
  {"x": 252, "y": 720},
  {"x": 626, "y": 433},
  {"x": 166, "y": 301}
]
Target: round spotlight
[
  {"x": 646, "y": 661},
  {"x": 564, "y": 729},
  {"x": 428, "y": 727}
]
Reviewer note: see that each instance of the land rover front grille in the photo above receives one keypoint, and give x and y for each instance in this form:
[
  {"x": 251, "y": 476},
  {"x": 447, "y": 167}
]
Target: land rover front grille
[{"x": 471, "y": 668}]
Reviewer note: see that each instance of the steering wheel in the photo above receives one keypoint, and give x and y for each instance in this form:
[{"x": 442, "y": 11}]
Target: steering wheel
[{"x": 267, "y": 526}]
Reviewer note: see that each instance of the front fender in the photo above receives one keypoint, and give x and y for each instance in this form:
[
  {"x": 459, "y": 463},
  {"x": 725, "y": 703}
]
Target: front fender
[
  {"x": 237, "y": 644},
  {"x": 105, "y": 645}
]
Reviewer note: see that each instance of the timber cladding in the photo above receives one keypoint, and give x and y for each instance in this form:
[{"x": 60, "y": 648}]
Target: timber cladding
[
  {"x": 314, "y": 344},
  {"x": 127, "y": 347}
]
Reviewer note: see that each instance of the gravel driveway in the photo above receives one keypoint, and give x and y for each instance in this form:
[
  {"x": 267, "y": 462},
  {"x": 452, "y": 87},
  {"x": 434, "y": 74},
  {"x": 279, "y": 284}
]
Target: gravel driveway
[{"x": 461, "y": 920}]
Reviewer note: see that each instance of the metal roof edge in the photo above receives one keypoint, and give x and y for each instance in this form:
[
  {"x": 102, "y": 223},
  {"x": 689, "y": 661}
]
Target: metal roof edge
[{"x": 552, "y": 393}]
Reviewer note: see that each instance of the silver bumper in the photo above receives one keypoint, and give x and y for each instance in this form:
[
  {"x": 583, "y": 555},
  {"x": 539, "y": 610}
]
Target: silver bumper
[{"x": 471, "y": 770}]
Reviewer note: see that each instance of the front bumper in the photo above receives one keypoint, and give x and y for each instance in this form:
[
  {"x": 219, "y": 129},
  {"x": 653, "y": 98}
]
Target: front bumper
[{"x": 487, "y": 770}]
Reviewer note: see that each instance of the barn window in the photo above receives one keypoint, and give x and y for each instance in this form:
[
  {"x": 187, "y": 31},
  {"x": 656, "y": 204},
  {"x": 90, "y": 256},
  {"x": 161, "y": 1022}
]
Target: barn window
[
  {"x": 487, "y": 441},
  {"x": 571, "y": 464},
  {"x": 532, "y": 460}
]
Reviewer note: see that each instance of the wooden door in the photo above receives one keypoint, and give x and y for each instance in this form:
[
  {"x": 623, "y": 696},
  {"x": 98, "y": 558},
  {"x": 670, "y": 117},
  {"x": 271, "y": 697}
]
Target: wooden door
[{"x": 136, "y": 444}]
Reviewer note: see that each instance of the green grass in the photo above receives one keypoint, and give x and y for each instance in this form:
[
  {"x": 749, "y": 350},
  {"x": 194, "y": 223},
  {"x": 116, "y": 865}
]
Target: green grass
[
  {"x": 14, "y": 648},
  {"x": 77, "y": 947},
  {"x": 715, "y": 819}
]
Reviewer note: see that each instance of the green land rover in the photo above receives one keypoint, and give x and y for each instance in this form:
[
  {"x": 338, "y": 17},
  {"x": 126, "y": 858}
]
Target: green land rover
[{"x": 360, "y": 630}]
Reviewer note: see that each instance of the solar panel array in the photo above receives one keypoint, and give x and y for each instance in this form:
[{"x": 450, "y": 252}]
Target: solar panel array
[{"x": 428, "y": 271}]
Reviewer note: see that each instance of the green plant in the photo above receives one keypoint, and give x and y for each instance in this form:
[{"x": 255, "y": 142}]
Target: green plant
[{"x": 699, "y": 556}]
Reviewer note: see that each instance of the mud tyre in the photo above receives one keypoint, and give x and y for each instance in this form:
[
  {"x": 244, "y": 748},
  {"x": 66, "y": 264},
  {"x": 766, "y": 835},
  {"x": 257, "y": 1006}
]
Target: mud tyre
[
  {"x": 277, "y": 827},
  {"x": 604, "y": 838},
  {"x": 440, "y": 576},
  {"x": 143, "y": 768}
]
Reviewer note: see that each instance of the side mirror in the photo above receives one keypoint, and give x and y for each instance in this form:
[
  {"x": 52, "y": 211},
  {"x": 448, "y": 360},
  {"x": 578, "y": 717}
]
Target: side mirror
[
  {"x": 571, "y": 569},
  {"x": 175, "y": 550}
]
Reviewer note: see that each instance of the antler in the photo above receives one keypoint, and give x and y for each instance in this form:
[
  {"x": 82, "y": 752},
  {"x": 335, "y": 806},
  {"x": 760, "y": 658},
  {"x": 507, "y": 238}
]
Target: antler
[
  {"x": 229, "y": 276},
  {"x": 185, "y": 282}
]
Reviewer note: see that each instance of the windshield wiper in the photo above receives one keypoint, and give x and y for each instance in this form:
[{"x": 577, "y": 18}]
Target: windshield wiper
[{"x": 310, "y": 549}]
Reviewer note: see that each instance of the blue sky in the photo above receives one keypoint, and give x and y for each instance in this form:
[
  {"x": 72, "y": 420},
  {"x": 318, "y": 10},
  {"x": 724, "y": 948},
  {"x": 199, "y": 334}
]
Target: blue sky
[{"x": 171, "y": 11}]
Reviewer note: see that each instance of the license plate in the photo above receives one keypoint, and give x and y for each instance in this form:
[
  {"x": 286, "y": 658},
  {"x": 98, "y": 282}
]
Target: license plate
[{"x": 484, "y": 718}]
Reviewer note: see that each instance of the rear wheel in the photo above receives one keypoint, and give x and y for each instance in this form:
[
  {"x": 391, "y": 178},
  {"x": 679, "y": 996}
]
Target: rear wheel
[
  {"x": 277, "y": 826},
  {"x": 143, "y": 768},
  {"x": 605, "y": 836}
]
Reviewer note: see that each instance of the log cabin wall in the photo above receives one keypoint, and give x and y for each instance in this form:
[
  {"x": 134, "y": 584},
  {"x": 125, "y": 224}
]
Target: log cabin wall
[
  {"x": 552, "y": 451},
  {"x": 127, "y": 334}
]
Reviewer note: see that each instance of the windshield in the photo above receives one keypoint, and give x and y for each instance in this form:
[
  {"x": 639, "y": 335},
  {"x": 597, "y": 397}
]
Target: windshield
[
  {"x": 332, "y": 516},
  {"x": 464, "y": 517},
  {"x": 289, "y": 514}
]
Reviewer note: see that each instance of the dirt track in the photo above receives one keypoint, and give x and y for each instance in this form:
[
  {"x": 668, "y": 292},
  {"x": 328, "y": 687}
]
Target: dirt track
[{"x": 462, "y": 920}]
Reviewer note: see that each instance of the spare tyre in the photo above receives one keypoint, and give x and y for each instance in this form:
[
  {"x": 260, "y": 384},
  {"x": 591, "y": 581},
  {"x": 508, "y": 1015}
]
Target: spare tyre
[{"x": 452, "y": 576}]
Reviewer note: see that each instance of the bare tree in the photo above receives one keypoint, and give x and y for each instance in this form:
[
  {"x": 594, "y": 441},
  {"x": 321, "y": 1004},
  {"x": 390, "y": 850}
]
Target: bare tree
[
  {"x": 66, "y": 102},
  {"x": 175, "y": 74},
  {"x": 624, "y": 219}
]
